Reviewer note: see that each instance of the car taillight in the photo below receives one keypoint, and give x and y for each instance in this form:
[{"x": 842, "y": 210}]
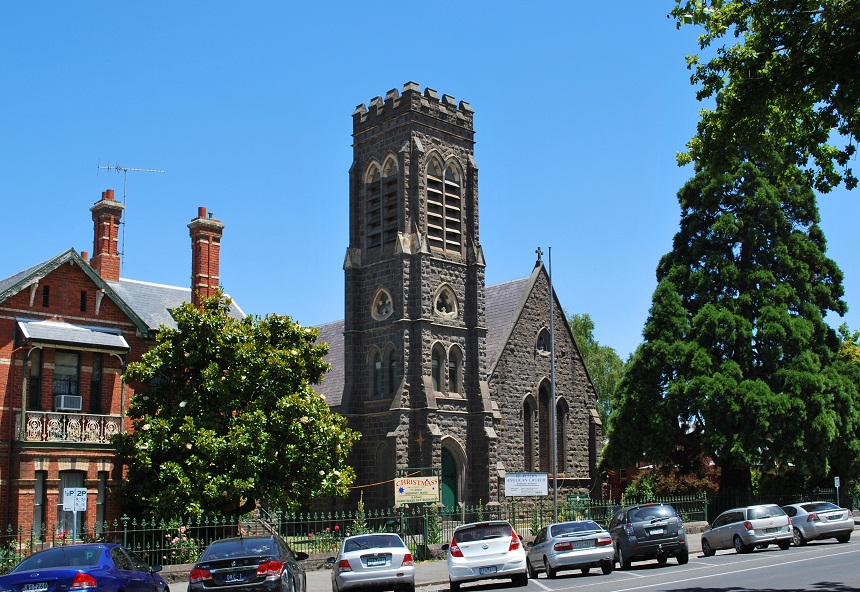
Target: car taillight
[
  {"x": 270, "y": 568},
  {"x": 198, "y": 575},
  {"x": 455, "y": 548},
  {"x": 407, "y": 560},
  {"x": 83, "y": 581},
  {"x": 515, "y": 541},
  {"x": 628, "y": 528},
  {"x": 562, "y": 547},
  {"x": 604, "y": 541},
  {"x": 343, "y": 566},
  {"x": 812, "y": 517},
  {"x": 748, "y": 525}
]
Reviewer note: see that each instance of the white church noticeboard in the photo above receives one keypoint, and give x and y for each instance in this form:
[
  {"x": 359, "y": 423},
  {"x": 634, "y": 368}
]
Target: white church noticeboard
[{"x": 526, "y": 484}]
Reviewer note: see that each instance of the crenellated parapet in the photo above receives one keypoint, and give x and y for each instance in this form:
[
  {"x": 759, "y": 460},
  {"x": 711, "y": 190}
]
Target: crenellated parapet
[{"x": 397, "y": 104}]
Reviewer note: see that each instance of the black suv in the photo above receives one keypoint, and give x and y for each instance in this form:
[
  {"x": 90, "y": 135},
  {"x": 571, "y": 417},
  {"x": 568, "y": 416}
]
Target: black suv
[{"x": 648, "y": 531}]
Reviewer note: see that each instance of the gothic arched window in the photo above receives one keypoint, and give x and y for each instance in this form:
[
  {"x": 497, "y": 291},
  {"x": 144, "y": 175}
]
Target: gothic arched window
[
  {"x": 444, "y": 205},
  {"x": 436, "y": 369},
  {"x": 381, "y": 205},
  {"x": 455, "y": 366}
]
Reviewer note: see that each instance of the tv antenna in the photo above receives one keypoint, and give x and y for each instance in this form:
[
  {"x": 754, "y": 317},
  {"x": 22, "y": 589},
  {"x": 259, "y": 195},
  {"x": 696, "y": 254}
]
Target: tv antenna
[{"x": 124, "y": 171}]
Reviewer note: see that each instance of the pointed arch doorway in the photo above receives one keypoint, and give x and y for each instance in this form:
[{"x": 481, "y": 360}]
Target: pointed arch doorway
[{"x": 449, "y": 480}]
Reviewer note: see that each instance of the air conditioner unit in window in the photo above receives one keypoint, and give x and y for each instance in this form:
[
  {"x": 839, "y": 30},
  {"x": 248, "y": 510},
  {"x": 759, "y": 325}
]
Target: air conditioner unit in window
[{"x": 67, "y": 403}]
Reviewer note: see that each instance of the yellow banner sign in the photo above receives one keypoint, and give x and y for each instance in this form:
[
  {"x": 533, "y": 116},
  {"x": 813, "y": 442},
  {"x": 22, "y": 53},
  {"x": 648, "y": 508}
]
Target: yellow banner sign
[{"x": 416, "y": 490}]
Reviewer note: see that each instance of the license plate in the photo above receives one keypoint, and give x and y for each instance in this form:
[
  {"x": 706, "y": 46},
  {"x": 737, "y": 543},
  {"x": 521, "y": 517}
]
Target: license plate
[
  {"x": 837, "y": 517},
  {"x": 234, "y": 577},
  {"x": 656, "y": 531},
  {"x": 770, "y": 530},
  {"x": 37, "y": 587},
  {"x": 487, "y": 570},
  {"x": 583, "y": 544},
  {"x": 375, "y": 561}
]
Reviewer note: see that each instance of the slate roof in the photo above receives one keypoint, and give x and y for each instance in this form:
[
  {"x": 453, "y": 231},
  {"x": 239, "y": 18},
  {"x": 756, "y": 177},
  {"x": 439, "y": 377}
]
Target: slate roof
[
  {"x": 503, "y": 303},
  {"x": 147, "y": 305},
  {"x": 331, "y": 388}
]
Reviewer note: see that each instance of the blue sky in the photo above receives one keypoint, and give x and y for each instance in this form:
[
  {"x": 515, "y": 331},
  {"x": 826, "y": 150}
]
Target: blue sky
[{"x": 580, "y": 108}]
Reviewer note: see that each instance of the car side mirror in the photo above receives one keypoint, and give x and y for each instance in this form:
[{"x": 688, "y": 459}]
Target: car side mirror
[
  {"x": 155, "y": 569},
  {"x": 301, "y": 555},
  {"x": 530, "y": 544},
  {"x": 330, "y": 560},
  {"x": 446, "y": 546}
]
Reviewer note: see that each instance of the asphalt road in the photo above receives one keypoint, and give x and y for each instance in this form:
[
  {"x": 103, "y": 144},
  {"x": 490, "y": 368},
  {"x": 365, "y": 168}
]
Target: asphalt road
[{"x": 825, "y": 566}]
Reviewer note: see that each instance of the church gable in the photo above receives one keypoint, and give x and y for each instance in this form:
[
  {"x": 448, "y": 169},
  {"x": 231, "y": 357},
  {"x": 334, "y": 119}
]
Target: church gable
[{"x": 520, "y": 386}]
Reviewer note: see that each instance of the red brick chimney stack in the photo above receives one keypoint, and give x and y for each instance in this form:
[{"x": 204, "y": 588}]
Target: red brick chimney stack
[
  {"x": 205, "y": 255},
  {"x": 107, "y": 214}
]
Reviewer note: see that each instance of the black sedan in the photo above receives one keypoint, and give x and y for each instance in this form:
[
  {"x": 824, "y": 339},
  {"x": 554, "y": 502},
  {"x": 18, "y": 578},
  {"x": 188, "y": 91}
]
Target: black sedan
[
  {"x": 100, "y": 566},
  {"x": 249, "y": 564}
]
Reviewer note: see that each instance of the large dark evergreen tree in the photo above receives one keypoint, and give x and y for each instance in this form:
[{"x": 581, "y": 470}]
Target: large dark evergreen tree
[{"x": 737, "y": 360}]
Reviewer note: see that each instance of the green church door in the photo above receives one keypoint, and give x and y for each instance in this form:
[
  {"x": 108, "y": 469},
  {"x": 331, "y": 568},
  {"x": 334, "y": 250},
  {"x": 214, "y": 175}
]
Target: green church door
[{"x": 449, "y": 480}]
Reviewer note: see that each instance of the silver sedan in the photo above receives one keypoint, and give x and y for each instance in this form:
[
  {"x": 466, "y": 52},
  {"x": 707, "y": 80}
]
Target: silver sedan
[
  {"x": 819, "y": 520},
  {"x": 373, "y": 562},
  {"x": 580, "y": 544}
]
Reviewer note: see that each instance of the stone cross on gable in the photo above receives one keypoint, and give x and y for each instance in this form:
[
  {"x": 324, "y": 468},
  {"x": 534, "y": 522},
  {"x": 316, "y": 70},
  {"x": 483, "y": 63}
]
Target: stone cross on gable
[{"x": 539, "y": 253}]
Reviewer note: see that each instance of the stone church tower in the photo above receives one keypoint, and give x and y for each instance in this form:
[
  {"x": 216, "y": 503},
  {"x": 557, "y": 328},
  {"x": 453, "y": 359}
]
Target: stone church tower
[{"x": 414, "y": 335}]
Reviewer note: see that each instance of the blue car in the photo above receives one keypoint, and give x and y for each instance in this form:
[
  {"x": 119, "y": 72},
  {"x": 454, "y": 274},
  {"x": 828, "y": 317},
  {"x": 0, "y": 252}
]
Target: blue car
[{"x": 101, "y": 567}]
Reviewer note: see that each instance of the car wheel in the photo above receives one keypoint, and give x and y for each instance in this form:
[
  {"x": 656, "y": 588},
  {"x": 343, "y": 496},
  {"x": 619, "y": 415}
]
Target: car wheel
[
  {"x": 533, "y": 574},
  {"x": 585, "y": 570},
  {"x": 662, "y": 559},
  {"x": 520, "y": 580},
  {"x": 740, "y": 547},
  {"x": 797, "y": 538},
  {"x": 683, "y": 557},
  {"x": 551, "y": 572},
  {"x": 454, "y": 586},
  {"x": 606, "y": 567},
  {"x": 784, "y": 545},
  {"x": 707, "y": 551},
  {"x": 844, "y": 538},
  {"x": 623, "y": 561}
]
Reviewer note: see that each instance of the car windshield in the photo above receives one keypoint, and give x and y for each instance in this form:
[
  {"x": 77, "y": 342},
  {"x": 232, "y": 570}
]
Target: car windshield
[
  {"x": 69, "y": 556},
  {"x": 372, "y": 541},
  {"x": 482, "y": 532},
  {"x": 573, "y": 528},
  {"x": 647, "y": 513},
  {"x": 820, "y": 507},
  {"x": 764, "y": 512},
  {"x": 238, "y": 548}
]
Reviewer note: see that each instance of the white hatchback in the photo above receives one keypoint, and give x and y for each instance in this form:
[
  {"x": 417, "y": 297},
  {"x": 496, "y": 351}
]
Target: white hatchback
[{"x": 486, "y": 551}]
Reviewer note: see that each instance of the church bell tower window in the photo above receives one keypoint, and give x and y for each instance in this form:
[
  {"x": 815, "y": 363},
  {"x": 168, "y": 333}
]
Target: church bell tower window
[
  {"x": 444, "y": 206},
  {"x": 381, "y": 205}
]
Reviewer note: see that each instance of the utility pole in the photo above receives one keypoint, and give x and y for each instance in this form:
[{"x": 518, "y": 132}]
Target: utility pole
[{"x": 124, "y": 171}]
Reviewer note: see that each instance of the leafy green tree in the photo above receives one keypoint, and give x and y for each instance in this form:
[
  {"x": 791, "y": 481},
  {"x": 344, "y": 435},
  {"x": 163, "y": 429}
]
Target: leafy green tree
[
  {"x": 603, "y": 364},
  {"x": 228, "y": 417},
  {"x": 791, "y": 74},
  {"x": 737, "y": 361}
]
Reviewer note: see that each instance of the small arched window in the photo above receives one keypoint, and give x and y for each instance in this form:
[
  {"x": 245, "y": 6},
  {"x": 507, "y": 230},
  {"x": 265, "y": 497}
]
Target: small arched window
[
  {"x": 529, "y": 434},
  {"x": 382, "y": 306},
  {"x": 436, "y": 369},
  {"x": 445, "y": 304},
  {"x": 455, "y": 363},
  {"x": 543, "y": 341},
  {"x": 375, "y": 375},
  {"x": 392, "y": 373}
]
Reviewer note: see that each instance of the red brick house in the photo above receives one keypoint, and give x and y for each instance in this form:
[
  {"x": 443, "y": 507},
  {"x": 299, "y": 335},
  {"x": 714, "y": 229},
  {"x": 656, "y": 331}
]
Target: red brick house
[{"x": 68, "y": 326}]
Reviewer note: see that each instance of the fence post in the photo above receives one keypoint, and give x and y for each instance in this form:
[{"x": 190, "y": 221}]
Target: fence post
[{"x": 124, "y": 520}]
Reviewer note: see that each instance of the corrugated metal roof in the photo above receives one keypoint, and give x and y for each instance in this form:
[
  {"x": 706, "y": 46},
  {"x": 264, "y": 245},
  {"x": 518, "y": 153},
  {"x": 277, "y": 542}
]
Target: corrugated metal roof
[{"x": 61, "y": 333}]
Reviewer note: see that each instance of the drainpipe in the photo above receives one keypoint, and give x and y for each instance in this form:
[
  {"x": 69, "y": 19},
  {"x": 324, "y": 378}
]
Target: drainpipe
[
  {"x": 121, "y": 392},
  {"x": 23, "y": 416}
]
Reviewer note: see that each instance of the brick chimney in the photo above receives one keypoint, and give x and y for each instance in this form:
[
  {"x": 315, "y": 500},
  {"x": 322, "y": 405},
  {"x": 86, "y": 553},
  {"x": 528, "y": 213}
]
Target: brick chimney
[
  {"x": 107, "y": 214},
  {"x": 205, "y": 255}
]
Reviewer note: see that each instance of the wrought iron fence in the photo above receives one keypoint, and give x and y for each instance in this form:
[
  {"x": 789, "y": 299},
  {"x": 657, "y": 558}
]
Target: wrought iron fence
[{"x": 319, "y": 533}]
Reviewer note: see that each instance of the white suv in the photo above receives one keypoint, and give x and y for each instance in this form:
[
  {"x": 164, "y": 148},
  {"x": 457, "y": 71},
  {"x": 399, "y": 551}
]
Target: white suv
[{"x": 486, "y": 551}]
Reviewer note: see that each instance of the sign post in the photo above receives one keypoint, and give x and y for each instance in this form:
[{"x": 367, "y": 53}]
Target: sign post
[
  {"x": 74, "y": 501},
  {"x": 836, "y": 484}
]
